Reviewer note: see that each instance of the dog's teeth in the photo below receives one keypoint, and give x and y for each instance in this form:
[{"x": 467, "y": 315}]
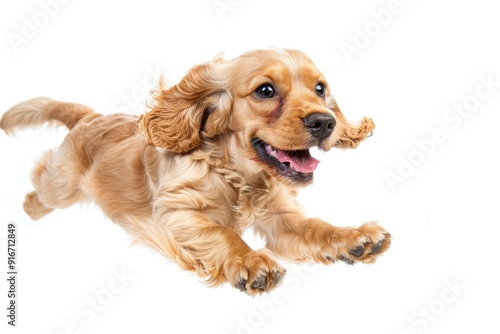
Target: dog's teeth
[{"x": 272, "y": 151}]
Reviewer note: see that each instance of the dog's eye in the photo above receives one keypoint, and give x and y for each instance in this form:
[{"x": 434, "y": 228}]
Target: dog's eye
[
  {"x": 266, "y": 91},
  {"x": 320, "y": 90}
]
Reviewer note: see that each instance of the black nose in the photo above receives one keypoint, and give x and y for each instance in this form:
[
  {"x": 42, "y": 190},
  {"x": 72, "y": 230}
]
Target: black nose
[{"x": 320, "y": 125}]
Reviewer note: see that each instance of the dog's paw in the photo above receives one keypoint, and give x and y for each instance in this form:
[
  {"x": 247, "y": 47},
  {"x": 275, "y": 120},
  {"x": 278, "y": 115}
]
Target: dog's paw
[
  {"x": 255, "y": 273},
  {"x": 362, "y": 244},
  {"x": 34, "y": 207}
]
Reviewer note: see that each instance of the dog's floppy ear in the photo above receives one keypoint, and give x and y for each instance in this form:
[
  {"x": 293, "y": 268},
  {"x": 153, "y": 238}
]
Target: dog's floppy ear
[
  {"x": 197, "y": 107},
  {"x": 351, "y": 134}
]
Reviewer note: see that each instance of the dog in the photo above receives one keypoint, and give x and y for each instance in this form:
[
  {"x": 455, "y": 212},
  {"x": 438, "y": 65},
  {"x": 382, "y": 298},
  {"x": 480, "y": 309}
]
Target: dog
[{"x": 224, "y": 149}]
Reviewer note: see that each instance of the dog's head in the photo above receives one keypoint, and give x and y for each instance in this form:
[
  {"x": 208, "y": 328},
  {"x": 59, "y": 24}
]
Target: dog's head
[{"x": 274, "y": 103}]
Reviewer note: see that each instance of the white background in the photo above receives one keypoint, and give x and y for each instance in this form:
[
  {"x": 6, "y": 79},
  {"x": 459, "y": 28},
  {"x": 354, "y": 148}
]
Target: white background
[{"x": 444, "y": 217}]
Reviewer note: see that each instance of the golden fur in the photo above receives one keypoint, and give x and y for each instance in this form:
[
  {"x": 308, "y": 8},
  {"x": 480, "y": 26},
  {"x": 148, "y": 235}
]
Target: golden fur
[{"x": 186, "y": 179}]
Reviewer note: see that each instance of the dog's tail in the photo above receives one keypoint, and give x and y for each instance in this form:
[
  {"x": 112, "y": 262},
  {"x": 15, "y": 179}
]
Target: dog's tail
[{"x": 41, "y": 110}]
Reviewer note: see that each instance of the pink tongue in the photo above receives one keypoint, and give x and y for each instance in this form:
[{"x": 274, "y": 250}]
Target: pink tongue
[{"x": 301, "y": 164}]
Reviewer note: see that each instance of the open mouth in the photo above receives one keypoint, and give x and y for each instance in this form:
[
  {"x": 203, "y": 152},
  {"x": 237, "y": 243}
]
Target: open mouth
[{"x": 297, "y": 165}]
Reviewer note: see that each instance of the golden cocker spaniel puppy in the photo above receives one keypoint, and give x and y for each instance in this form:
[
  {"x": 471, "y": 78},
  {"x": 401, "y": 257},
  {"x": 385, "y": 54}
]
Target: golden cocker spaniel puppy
[{"x": 224, "y": 149}]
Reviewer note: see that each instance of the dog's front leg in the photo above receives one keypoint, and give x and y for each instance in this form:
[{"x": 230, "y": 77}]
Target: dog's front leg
[
  {"x": 218, "y": 254},
  {"x": 297, "y": 238}
]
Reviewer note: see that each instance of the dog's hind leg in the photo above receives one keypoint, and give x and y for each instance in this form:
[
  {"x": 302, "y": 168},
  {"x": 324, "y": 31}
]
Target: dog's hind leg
[
  {"x": 56, "y": 178},
  {"x": 34, "y": 207},
  {"x": 58, "y": 174}
]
